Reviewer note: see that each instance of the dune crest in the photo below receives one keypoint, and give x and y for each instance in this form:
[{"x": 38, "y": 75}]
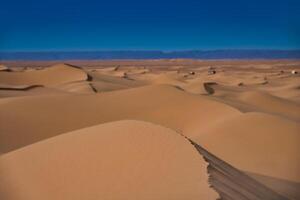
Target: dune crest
[
  {"x": 54, "y": 75},
  {"x": 149, "y": 103}
]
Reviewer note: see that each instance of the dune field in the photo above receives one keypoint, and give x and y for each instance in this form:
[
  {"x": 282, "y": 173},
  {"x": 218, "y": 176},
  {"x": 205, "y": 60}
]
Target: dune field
[{"x": 150, "y": 129}]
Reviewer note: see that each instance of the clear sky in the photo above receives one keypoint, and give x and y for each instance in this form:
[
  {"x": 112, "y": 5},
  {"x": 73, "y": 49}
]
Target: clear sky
[{"x": 35, "y": 25}]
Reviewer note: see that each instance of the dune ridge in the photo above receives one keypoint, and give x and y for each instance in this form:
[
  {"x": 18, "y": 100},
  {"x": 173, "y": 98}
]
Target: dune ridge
[
  {"x": 57, "y": 74},
  {"x": 18, "y": 87}
]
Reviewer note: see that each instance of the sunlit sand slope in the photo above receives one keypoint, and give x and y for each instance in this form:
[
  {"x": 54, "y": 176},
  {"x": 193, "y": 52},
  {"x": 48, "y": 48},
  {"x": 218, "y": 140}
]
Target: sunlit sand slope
[
  {"x": 118, "y": 160},
  {"x": 26, "y": 120}
]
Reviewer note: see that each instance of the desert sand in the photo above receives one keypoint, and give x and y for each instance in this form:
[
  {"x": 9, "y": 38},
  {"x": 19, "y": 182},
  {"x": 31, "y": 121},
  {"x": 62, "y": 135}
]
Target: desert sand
[{"x": 150, "y": 129}]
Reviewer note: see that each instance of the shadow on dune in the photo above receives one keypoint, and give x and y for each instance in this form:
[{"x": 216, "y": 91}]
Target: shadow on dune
[
  {"x": 287, "y": 188},
  {"x": 233, "y": 184},
  {"x": 19, "y": 87},
  {"x": 208, "y": 88}
]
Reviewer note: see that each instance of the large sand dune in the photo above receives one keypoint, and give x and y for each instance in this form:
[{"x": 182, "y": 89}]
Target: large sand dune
[
  {"x": 61, "y": 138},
  {"x": 118, "y": 160}
]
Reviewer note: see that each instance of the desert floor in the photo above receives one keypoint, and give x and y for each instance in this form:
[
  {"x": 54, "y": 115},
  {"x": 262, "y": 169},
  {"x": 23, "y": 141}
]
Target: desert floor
[{"x": 150, "y": 129}]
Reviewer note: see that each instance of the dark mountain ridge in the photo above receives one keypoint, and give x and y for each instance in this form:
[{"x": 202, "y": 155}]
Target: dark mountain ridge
[{"x": 130, "y": 54}]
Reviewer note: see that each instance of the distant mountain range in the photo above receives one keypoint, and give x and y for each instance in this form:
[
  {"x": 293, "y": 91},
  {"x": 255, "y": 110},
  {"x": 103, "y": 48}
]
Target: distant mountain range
[{"x": 194, "y": 54}]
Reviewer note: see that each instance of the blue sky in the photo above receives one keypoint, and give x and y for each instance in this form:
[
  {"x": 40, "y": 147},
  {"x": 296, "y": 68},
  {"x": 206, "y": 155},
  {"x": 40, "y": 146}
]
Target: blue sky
[{"x": 36, "y": 25}]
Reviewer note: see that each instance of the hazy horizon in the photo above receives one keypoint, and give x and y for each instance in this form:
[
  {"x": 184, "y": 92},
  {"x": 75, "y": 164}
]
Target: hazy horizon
[{"x": 129, "y": 54}]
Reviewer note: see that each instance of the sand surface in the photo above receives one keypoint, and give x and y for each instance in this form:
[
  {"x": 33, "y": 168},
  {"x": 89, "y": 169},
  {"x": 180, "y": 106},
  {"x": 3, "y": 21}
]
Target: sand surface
[
  {"x": 117, "y": 160},
  {"x": 120, "y": 129}
]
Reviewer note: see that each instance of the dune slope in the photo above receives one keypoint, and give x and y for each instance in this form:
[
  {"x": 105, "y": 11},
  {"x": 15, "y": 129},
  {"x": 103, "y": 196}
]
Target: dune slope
[
  {"x": 258, "y": 143},
  {"x": 118, "y": 160},
  {"x": 26, "y": 120}
]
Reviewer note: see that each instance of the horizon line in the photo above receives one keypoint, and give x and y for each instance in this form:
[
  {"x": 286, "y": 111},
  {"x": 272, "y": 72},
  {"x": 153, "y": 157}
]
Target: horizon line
[{"x": 149, "y": 50}]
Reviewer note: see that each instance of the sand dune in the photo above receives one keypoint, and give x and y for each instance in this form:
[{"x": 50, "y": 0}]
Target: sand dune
[
  {"x": 34, "y": 118},
  {"x": 57, "y": 74},
  {"x": 258, "y": 143},
  {"x": 250, "y": 99},
  {"x": 4, "y": 68},
  {"x": 79, "y": 87},
  {"x": 267, "y": 103},
  {"x": 103, "y": 83},
  {"x": 95, "y": 162},
  {"x": 126, "y": 159},
  {"x": 247, "y": 100},
  {"x": 170, "y": 78},
  {"x": 66, "y": 134}
]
